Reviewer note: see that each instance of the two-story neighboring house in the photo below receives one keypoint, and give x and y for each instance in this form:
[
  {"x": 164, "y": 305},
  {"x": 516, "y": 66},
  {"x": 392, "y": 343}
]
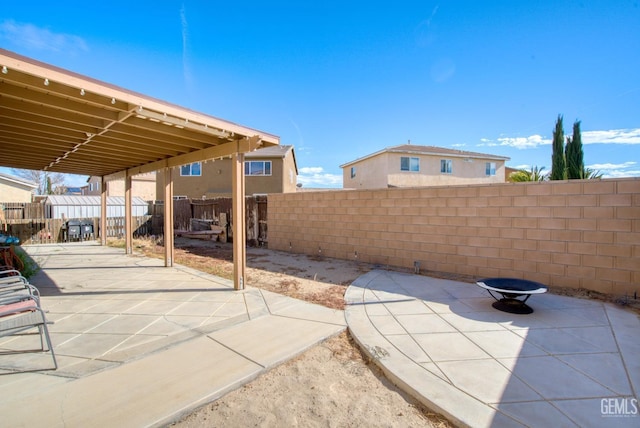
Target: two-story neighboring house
[
  {"x": 15, "y": 189},
  {"x": 411, "y": 165},
  {"x": 268, "y": 170},
  {"x": 142, "y": 186}
]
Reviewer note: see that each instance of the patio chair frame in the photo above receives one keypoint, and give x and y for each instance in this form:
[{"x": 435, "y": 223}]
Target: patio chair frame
[{"x": 21, "y": 314}]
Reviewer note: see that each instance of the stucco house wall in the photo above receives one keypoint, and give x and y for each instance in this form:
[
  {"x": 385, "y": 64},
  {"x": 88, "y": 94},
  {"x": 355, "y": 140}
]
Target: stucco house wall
[
  {"x": 14, "y": 189},
  {"x": 370, "y": 173},
  {"x": 142, "y": 186},
  {"x": 382, "y": 169},
  {"x": 215, "y": 178},
  {"x": 289, "y": 182}
]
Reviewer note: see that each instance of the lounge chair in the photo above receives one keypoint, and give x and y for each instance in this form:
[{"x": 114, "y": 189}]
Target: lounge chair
[
  {"x": 8, "y": 271},
  {"x": 11, "y": 282},
  {"x": 20, "y": 315}
]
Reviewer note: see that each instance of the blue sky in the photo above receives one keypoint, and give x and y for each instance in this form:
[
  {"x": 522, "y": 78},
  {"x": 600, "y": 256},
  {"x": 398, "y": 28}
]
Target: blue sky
[{"x": 340, "y": 80}]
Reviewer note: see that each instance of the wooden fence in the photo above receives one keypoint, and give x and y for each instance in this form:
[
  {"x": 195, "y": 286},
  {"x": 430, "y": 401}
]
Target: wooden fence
[
  {"x": 27, "y": 222},
  {"x": 21, "y": 210},
  {"x": 219, "y": 212},
  {"x": 52, "y": 230}
]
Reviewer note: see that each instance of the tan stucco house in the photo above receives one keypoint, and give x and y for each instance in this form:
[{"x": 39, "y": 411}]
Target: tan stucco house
[
  {"x": 142, "y": 186},
  {"x": 268, "y": 170},
  {"x": 410, "y": 165},
  {"x": 14, "y": 189}
]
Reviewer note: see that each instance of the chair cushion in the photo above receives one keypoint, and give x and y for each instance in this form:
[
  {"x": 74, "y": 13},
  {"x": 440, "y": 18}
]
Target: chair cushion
[{"x": 18, "y": 307}]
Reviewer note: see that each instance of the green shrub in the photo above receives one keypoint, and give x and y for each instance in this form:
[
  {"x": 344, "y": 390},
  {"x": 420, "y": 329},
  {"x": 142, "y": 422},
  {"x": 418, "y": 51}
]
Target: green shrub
[{"x": 30, "y": 266}]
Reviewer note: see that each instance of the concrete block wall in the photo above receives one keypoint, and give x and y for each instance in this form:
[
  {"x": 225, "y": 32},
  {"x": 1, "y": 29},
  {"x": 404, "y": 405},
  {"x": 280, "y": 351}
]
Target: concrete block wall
[{"x": 578, "y": 234}]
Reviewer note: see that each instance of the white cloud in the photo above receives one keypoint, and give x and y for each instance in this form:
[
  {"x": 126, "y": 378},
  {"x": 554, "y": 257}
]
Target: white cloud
[
  {"x": 528, "y": 167},
  {"x": 614, "y": 136},
  {"x": 35, "y": 38},
  {"x": 611, "y": 166},
  {"x": 186, "y": 68},
  {"x": 433, "y": 14},
  {"x": 425, "y": 35},
  {"x": 311, "y": 170},
  {"x": 621, "y": 174},
  {"x": 315, "y": 176},
  {"x": 530, "y": 142},
  {"x": 615, "y": 170},
  {"x": 300, "y": 146}
]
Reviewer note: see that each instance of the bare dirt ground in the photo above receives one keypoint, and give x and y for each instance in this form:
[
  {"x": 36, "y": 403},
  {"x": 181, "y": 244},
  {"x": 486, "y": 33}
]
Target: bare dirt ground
[
  {"x": 312, "y": 278},
  {"x": 330, "y": 385}
]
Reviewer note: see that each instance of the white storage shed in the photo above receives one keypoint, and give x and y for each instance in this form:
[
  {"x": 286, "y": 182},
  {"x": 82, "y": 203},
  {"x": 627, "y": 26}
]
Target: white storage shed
[{"x": 69, "y": 207}]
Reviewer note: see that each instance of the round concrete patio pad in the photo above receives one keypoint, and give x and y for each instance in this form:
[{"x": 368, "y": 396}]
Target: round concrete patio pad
[{"x": 573, "y": 362}]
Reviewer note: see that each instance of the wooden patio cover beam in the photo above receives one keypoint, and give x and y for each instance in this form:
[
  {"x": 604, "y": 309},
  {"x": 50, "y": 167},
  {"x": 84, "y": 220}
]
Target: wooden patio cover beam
[{"x": 60, "y": 121}]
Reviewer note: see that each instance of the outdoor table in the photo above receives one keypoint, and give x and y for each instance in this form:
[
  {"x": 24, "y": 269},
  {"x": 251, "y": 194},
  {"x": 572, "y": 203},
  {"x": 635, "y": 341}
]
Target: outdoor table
[{"x": 512, "y": 291}]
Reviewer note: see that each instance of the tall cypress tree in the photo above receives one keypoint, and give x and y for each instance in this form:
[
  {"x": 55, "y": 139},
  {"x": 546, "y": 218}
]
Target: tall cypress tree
[
  {"x": 558, "y": 163},
  {"x": 49, "y": 190},
  {"x": 574, "y": 154}
]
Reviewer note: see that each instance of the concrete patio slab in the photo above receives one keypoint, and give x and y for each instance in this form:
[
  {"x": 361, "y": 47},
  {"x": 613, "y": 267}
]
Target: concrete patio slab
[
  {"x": 139, "y": 344},
  {"x": 573, "y": 362}
]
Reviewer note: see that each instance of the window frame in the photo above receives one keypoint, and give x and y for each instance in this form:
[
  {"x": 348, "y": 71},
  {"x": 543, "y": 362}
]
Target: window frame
[
  {"x": 490, "y": 169},
  {"x": 191, "y": 174},
  {"x": 353, "y": 172},
  {"x": 411, "y": 166},
  {"x": 446, "y": 166},
  {"x": 247, "y": 168}
]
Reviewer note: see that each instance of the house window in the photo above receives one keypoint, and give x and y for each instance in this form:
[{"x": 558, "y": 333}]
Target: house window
[
  {"x": 409, "y": 164},
  {"x": 490, "y": 168},
  {"x": 193, "y": 169},
  {"x": 353, "y": 172},
  {"x": 257, "y": 168},
  {"x": 446, "y": 166}
]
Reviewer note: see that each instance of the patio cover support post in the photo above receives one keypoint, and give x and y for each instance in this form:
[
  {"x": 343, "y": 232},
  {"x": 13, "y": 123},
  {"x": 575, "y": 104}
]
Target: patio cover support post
[
  {"x": 168, "y": 218},
  {"x": 103, "y": 211},
  {"x": 128, "y": 228},
  {"x": 238, "y": 218}
]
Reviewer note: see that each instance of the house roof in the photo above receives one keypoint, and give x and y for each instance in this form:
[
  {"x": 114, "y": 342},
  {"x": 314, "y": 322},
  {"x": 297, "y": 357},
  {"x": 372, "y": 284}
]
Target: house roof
[
  {"x": 52, "y": 119},
  {"x": 278, "y": 152},
  {"x": 270, "y": 152},
  {"x": 413, "y": 149},
  {"x": 17, "y": 180}
]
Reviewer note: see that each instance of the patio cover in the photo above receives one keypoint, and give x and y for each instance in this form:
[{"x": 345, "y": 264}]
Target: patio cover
[{"x": 59, "y": 121}]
